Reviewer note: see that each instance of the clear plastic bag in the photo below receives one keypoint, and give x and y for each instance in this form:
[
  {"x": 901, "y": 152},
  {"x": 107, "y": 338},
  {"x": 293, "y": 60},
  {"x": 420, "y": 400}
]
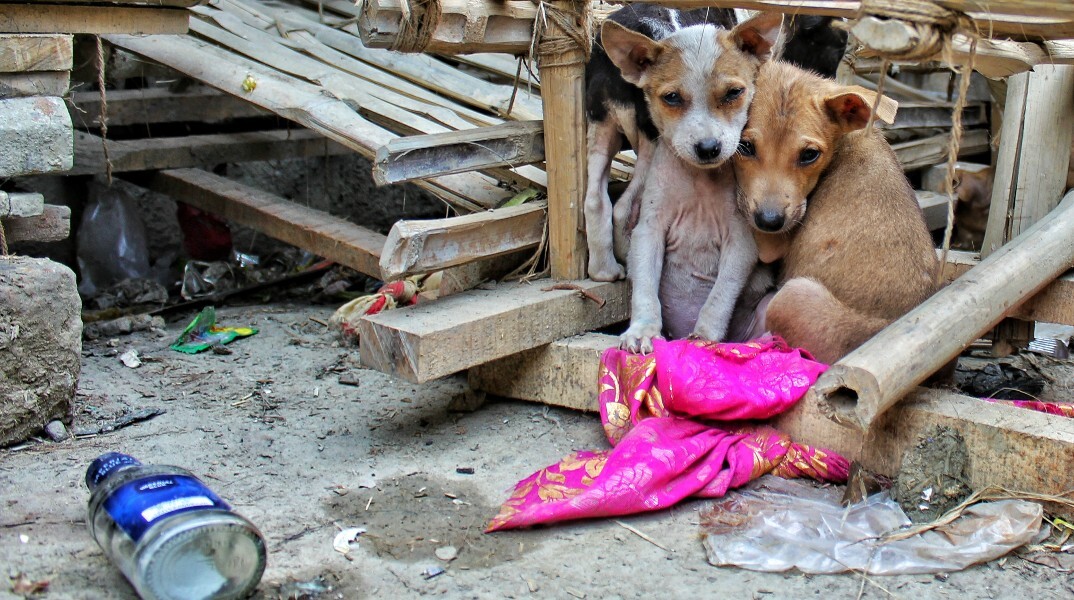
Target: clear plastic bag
[
  {"x": 778, "y": 525},
  {"x": 111, "y": 241}
]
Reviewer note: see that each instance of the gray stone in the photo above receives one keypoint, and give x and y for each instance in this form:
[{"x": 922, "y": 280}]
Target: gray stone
[
  {"x": 57, "y": 431},
  {"x": 26, "y": 204},
  {"x": 36, "y": 136},
  {"x": 40, "y": 344}
]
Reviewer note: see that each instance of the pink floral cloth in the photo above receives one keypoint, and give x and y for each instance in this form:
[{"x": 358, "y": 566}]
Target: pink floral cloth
[
  {"x": 1062, "y": 409},
  {"x": 657, "y": 411}
]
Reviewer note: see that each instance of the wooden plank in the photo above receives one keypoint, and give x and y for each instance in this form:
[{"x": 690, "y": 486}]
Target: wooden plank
[
  {"x": 32, "y": 52},
  {"x": 199, "y": 150},
  {"x": 147, "y": 3},
  {"x": 563, "y": 81},
  {"x": 464, "y": 27},
  {"x": 929, "y": 151},
  {"x": 331, "y": 237},
  {"x": 418, "y": 157},
  {"x": 915, "y": 115},
  {"x": 21, "y": 204},
  {"x": 50, "y": 18},
  {"x": 430, "y": 245},
  {"x": 52, "y": 225},
  {"x": 423, "y": 342},
  {"x": 1038, "y": 177},
  {"x": 1016, "y": 448},
  {"x": 44, "y": 83},
  {"x": 294, "y": 99},
  {"x": 148, "y": 106}
]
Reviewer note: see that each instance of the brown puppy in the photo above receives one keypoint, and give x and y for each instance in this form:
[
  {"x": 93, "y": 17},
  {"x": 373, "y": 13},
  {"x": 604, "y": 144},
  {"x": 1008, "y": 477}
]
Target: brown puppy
[{"x": 832, "y": 201}]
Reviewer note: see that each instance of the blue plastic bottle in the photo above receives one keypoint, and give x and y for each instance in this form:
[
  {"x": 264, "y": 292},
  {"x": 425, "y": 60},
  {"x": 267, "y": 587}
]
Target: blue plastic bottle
[{"x": 170, "y": 535}]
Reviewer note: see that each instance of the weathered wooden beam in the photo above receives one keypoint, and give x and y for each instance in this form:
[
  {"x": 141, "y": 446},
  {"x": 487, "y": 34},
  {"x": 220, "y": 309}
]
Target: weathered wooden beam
[
  {"x": 52, "y": 225},
  {"x": 934, "y": 207},
  {"x": 1015, "y": 448},
  {"x": 915, "y": 115},
  {"x": 21, "y": 204},
  {"x": 464, "y": 27},
  {"x": 1053, "y": 304},
  {"x": 68, "y": 18},
  {"x": 299, "y": 101},
  {"x": 307, "y": 228},
  {"x": 416, "y": 157},
  {"x": 43, "y": 83},
  {"x": 20, "y": 53},
  {"x": 423, "y": 246},
  {"x": 199, "y": 150},
  {"x": 1031, "y": 169},
  {"x": 872, "y": 378},
  {"x": 149, "y": 106},
  {"x": 431, "y": 340},
  {"x": 929, "y": 151}
]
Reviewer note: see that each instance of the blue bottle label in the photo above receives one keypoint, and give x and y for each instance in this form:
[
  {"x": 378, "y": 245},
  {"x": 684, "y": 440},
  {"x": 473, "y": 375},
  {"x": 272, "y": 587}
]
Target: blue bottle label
[{"x": 135, "y": 505}]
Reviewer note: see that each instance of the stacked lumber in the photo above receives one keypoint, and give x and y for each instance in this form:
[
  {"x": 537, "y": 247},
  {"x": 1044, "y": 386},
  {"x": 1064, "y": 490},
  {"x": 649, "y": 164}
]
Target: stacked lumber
[{"x": 94, "y": 16}]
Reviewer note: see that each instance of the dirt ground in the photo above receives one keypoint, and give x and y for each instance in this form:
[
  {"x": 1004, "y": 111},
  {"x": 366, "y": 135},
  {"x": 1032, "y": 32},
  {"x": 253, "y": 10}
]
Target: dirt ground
[{"x": 304, "y": 442}]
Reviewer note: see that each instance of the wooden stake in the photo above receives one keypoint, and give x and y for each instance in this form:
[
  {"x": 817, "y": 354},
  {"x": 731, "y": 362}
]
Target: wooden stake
[
  {"x": 1031, "y": 169},
  {"x": 871, "y": 379},
  {"x": 563, "y": 86}
]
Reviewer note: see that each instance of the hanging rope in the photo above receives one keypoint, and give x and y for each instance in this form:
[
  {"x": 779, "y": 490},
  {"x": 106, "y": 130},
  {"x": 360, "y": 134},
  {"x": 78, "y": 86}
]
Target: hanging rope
[{"x": 103, "y": 115}]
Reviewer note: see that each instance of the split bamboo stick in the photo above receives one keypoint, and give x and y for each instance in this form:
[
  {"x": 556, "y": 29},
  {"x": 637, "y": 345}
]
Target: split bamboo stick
[{"x": 865, "y": 383}]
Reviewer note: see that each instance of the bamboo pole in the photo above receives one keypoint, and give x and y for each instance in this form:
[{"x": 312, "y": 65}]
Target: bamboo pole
[{"x": 865, "y": 383}]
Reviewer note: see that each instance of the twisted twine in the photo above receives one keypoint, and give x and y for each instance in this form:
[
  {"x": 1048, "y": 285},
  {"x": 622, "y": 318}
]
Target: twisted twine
[
  {"x": 417, "y": 24},
  {"x": 573, "y": 25}
]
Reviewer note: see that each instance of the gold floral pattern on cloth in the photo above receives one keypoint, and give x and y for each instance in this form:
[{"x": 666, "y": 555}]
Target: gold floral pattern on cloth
[{"x": 658, "y": 412}]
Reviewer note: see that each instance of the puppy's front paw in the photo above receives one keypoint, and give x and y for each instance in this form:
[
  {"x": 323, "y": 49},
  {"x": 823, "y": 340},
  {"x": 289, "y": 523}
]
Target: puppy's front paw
[
  {"x": 709, "y": 334},
  {"x": 606, "y": 270},
  {"x": 639, "y": 337}
]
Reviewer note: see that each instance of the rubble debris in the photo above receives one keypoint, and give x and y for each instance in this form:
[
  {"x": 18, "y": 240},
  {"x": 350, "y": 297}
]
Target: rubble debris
[
  {"x": 1001, "y": 380},
  {"x": 343, "y": 540},
  {"x": 779, "y": 525},
  {"x": 431, "y": 572},
  {"x": 131, "y": 292},
  {"x": 447, "y": 553},
  {"x": 57, "y": 431},
  {"x": 121, "y": 326},
  {"x": 120, "y": 422},
  {"x": 130, "y": 359},
  {"x": 203, "y": 333},
  {"x": 932, "y": 479}
]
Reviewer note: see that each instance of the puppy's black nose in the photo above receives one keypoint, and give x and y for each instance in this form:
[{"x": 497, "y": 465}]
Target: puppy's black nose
[
  {"x": 768, "y": 220},
  {"x": 707, "y": 150}
]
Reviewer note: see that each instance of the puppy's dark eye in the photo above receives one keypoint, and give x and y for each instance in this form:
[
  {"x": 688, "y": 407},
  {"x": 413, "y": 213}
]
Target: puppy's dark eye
[
  {"x": 733, "y": 94},
  {"x": 672, "y": 99},
  {"x": 808, "y": 156},
  {"x": 745, "y": 148}
]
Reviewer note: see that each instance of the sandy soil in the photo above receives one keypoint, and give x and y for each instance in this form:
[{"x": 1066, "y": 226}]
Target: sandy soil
[{"x": 280, "y": 430}]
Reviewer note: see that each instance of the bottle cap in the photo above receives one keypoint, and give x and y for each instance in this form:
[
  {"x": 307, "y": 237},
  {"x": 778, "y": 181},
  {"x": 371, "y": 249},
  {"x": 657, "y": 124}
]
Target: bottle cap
[{"x": 106, "y": 464}]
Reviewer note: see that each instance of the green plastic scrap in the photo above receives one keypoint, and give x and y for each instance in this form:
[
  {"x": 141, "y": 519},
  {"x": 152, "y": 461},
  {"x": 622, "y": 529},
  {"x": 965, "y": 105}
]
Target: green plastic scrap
[{"x": 202, "y": 333}]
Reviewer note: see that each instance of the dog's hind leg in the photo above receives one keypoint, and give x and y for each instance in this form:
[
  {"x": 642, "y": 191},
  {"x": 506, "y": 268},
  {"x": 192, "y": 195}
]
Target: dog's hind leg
[
  {"x": 808, "y": 316},
  {"x": 627, "y": 208},
  {"x": 604, "y": 141}
]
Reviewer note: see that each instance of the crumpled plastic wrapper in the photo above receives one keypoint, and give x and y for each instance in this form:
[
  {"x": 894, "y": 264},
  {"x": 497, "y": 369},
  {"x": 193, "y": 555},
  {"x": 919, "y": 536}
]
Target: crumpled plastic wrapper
[{"x": 778, "y": 525}]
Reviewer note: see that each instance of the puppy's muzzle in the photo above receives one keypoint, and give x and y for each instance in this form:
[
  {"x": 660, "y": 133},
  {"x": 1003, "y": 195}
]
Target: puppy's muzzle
[
  {"x": 707, "y": 150},
  {"x": 769, "y": 220}
]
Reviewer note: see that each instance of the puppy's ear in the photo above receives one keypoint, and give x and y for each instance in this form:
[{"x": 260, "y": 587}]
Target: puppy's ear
[
  {"x": 850, "y": 107},
  {"x": 758, "y": 35},
  {"x": 629, "y": 50}
]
